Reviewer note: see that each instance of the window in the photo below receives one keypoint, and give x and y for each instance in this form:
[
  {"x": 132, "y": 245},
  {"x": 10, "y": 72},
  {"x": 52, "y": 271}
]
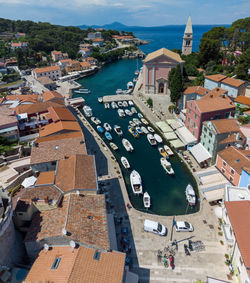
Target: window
[
  {"x": 231, "y": 179},
  {"x": 205, "y": 129},
  {"x": 189, "y": 111},
  {"x": 217, "y": 116},
  {"x": 209, "y": 141},
  {"x": 227, "y": 114},
  {"x": 224, "y": 163},
  {"x": 241, "y": 261},
  {"x": 223, "y": 170},
  {"x": 193, "y": 133},
  {"x": 56, "y": 263},
  {"x": 53, "y": 163},
  {"x": 191, "y": 105},
  {"x": 195, "y": 108},
  {"x": 210, "y": 135},
  {"x": 188, "y": 119},
  {"x": 195, "y": 116},
  {"x": 232, "y": 171},
  {"x": 208, "y": 149},
  {"x": 194, "y": 125}
]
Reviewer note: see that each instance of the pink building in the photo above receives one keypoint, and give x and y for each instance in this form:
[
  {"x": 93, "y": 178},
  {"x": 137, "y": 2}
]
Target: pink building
[
  {"x": 214, "y": 105},
  {"x": 156, "y": 68}
]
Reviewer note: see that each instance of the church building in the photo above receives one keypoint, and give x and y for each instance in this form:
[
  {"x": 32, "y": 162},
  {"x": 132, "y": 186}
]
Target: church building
[{"x": 187, "y": 38}]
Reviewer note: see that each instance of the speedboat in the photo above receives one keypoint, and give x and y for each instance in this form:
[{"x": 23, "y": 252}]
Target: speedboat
[
  {"x": 190, "y": 195},
  {"x": 120, "y": 104},
  {"x": 107, "y": 127},
  {"x": 133, "y": 110},
  {"x": 125, "y": 104},
  {"x": 121, "y": 113},
  {"x": 106, "y": 105},
  {"x": 100, "y": 99},
  {"x": 144, "y": 121},
  {"x": 118, "y": 130},
  {"x": 146, "y": 200},
  {"x": 132, "y": 124},
  {"x": 158, "y": 138},
  {"x": 125, "y": 162},
  {"x": 133, "y": 132},
  {"x": 128, "y": 112},
  {"x": 145, "y": 131},
  {"x": 151, "y": 139},
  {"x": 87, "y": 111},
  {"x": 138, "y": 130},
  {"x": 140, "y": 115},
  {"x": 168, "y": 150},
  {"x": 114, "y": 105},
  {"x": 163, "y": 153},
  {"x": 108, "y": 136},
  {"x": 137, "y": 121},
  {"x": 113, "y": 146},
  {"x": 128, "y": 146},
  {"x": 95, "y": 120},
  {"x": 100, "y": 129},
  {"x": 130, "y": 85},
  {"x": 136, "y": 182},
  {"x": 119, "y": 91},
  {"x": 130, "y": 103},
  {"x": 82, "y": 90},
  {"x": 167, "y": 166},
  {"x": 150, "y": 129}
]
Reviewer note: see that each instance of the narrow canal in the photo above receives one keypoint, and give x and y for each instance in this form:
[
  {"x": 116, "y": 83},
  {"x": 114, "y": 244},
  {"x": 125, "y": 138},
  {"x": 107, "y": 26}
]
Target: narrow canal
[{"x": 167, "y": 192}]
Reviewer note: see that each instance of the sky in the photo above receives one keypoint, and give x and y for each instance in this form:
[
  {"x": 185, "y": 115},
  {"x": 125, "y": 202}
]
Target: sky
[{"x": 129, "y": 12}]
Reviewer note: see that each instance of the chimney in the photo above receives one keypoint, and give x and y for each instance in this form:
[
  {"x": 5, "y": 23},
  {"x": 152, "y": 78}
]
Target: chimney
[
  {"x": 65, "y": 156},
  {"x": 211, "y": 96}
]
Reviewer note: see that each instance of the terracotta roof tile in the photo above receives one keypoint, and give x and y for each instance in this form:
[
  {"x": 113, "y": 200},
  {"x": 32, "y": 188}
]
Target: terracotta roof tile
[
  {"x": 38, "y": 107},
  {"x": 55, "y": 52},
  {"x": 226, "y": 125},
  {"x": 7, "y": 117},
  {"x": 60, "y": 127},
  {"x": 216, "y": 78},
  {"x": 85, "y": 64},
  {"x": 60, "y": 137},
  {"x": 97, "y": 40},
  {"x": 243, "y": 100},
  {"x": 231, "y": 138},
  {"x": 60, "y": 114},
  {"x": 233, "y": 82},
  {"x": 196, "y": 89},
  {"x": 46, "y": 178},
  {"x": 27, "y": 97},
  {"x": 165, "y": 52},
  {"x": 47, "y": 69},
  {"x": 48, "y": 95}
]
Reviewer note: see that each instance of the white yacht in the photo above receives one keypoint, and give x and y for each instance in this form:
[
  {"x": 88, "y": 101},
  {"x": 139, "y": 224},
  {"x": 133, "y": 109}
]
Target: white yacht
[
  {"x": 132, "y": 124},
  {"x": 113, "y": 146},
  {"x": 146, "y": 200},
  {"x": 114, "y": 105},
  {"x": 136, "y": 182},
  {"x": 140, "y": 115},
  {"x": 130, "y": 85},
  {"x": 145, "y": 131},
  {"x": 119, "y": 91},
  {"x": 118, "y": 130},
  {"x": 125, "y": 104},
  {"x": 168, "y": 150},
  {"x": 100, "y": 99},
  {"x": 121, "y": 113},
  {"x": 125, "y": 162},
  {"x": 128, "y": 146},
  {"x": 87, "y": 111},
  {"x": 158, "y": 138},
  {"x": 95, "y": 120},
  {"x": 144, "y": 121},
  {"x": 107, "y": 127},
  {"x": 167, "y": 166},
  {"x": 130, "y": 103},
  {"x": 120, "y": 104},
  {"x": 137, "y": 121},
  {"x": 151, "y": 139},
  {"x": 150, "y": 129},
  {"x": 82, "y": 90},
  {"x": 106, "y": 105},
  {"x": 133, "y": 110},
  {"x": 190, "y": 195},
  {"x": 128, "y": 112}
]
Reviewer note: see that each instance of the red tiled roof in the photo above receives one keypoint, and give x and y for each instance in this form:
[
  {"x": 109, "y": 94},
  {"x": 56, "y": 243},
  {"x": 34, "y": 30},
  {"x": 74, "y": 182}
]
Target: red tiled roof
[
  {"x": 196, "y": 89},
  {"x": 226, "y": 125},
  {"x": 47, "y": 69},
  {"x": 27, "y": 97},
  {"x": 48, "y": 95},
  {"x": 45, "y": 178},
  {"x": 60, "y": 127},
  {"x": 216, "y": 78},
  {"x": 38, "y": 107},
  {"x": 60, "y": 114},
  {"x": 55, "y": 52},
  {"x": 233, "y": 82},
  {"x": 243, "y": 100},
  {"x": 97, "y": 40}
]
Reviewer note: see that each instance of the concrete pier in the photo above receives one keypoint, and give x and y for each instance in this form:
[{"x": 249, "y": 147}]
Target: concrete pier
[{"x": 118, "y": 97}]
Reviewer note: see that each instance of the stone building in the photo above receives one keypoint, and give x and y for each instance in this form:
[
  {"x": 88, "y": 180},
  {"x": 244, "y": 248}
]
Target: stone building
[{"x": 187, "y": 38}]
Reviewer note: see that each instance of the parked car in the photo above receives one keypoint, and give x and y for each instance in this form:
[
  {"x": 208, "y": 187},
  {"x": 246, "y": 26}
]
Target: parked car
[
  {"x": 154, "y": 227},
  {"x": 183, "y": 226}
]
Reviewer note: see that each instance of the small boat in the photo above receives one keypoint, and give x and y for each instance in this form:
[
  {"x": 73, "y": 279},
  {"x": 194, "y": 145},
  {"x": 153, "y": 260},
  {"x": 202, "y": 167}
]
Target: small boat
[
  {"x": 100, "y": 99},
  {"x": 133, "y": 132},
  {"x": 113, "y": 146},
  {"x": 125, "y": 104},
  {"x": 146, "y": 200},
  {"x": 190, "y": 195},
  {"x": 151, "y": 139},
  {"x": 125, "y": 162},
  {"x": 145, "y": 131},
  {"x": 138, "y": 130},
  {"x": 128, "y": 112},
  {"x": 107, "y": 127},
  {"x": 134, "y": 80},
  {"x": 114, "y": 105},
  {"x": 132, "y": 124},
  {"x": 168, "y": 150},
  {"x": 136, "y": 182},
  {"x": 144, "y": 121},
  {"x": 129, "y": 91},
  {"x": 137, "y": 72},
  {"x": 118, "y": 130},
  {"x": 167, "y": 166},
  {"x": 128, "y": 146},
  {"x": 130, "y": 103},
  {"x": 150, "y": 129},
  {"x": 108, "y": 136},
  {"x": 158, "y": 138},
  {"x": 140, "y": 115},
  {"x": 87, "y": 111},
  {"x": 119, "y": 91},
  {"x": 137, "y": 121},
  {"x": 133, "y": 110},
  {"x": 82, "y": 90},
  {"x": 106, "y": 105},
  {"x": 120, "y": 104},
  {"x": 100, "y": 129},
  {"x": 121, "y": 113},
  {"x": 163, "y": 153},
  {"x": 95, "y": 120},
  {"x": 130, "y": 85}
]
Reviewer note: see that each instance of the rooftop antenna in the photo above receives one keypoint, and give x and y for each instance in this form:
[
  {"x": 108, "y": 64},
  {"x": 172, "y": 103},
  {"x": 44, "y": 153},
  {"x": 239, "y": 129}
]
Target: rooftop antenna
[
  {"x": 46, "y": 247},
  {"x": 72, "y": 244}
]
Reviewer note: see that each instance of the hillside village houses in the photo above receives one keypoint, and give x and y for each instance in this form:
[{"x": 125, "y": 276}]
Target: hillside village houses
[
  {"x": 53, "y": 72},
  {"x": 58, "y": 55}
]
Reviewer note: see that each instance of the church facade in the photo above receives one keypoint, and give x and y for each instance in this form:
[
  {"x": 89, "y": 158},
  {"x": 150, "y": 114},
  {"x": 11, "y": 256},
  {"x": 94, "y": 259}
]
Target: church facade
[{"x": 187, "y": 38}]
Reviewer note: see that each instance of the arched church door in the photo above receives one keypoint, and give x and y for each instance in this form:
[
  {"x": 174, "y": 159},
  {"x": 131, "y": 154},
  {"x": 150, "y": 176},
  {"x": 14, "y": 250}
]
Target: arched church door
[{"x": 161, "y": 88}]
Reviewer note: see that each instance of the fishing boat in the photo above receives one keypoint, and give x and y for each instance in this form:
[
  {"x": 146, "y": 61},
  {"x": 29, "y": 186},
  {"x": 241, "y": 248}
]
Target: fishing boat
[
  {"x": 107, "y": 127},
  {"x": 125, "y": 162},
  {"x": 133, "y": 132},
  {"x": 128, "y": 146},
  {"x": 100, "y": 99},
  {"x": 128, "y": 112},
  {"x": 190, "y": 195},
  {"x": 82, "y": 90},
  {"x": 151, "y": 139},
  {"x": 158, "y": 138},
  {"x": 113, "y": 146},
  {"x": 138, "y": 130},
  {"x": 168, "y": 150},
  {"x": 100, "y": 129},
  {"x": 114, "y": 105},
  {"x": 130, "y": 85},
  {"x": 95, "y": 120},
  {"x": 130, "y": 103},
  {"x": 136, "y": 182},
  {"x": 120, "y": 104},
  {"x": 87, "y": 111},
  {"x": 119, "y": 91},
  {"x": 132, "y": 124},
  {"x": 140, "y": 115},
  {"x": 133, "y": 110},
  {"x": 106, "y": 105},
  {"x": 167, "y": 166},
  {"x": 145, "y": 131},
  {"x": 163, "y": 153},
  {"x": 137, "y": 121},
  {"x": 118, "y": 130},
  {"x": 150, "y": 129},
  {"x": 146, "y": 200},
  {"x": 121, "y": 113},
  {"x": 108, "y": 136},
  {"x": 144, "y": 121},
  {"x": 125, "y": 104}
]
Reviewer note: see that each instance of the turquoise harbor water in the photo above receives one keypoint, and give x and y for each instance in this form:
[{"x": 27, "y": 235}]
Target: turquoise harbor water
[{"x": 167, "y": 192}]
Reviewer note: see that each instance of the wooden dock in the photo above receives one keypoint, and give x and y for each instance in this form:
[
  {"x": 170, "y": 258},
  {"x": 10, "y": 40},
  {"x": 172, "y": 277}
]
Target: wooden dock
[{"x": 117, "y": 97}]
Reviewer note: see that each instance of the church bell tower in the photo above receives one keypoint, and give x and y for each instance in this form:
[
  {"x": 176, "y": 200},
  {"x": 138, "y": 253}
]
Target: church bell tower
[{"x": 187, "y": 38}]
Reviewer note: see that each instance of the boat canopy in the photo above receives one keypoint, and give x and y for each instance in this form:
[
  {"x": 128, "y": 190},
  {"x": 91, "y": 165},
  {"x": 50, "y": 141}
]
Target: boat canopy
[
  {"x": 186, "y": 136},
  {"x": 200, "y": 153}
]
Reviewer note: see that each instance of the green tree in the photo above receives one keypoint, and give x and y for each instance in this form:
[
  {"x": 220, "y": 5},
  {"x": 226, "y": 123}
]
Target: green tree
[
  {"x": 175, "y": 83},
  {"x": 243, "y": 66},
  {"x": 209, "y": 50}
]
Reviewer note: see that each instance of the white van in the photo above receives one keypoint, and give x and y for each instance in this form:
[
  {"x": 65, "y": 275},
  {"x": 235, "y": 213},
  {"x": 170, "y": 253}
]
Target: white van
[
  {"x": 183, "y": 226},
  {"x": 154, "y": 227}
]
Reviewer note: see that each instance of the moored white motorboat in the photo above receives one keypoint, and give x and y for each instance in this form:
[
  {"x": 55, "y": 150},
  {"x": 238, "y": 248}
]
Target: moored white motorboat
[
  {"x": 133, "y": 132},
  {"x": 132, "y": 124},
  {"x": 121, "y": 113},
  {"x": 125, "y": 162},
  {"x": 133, "y": 110},
  {"x": 163, "y": 153},
  {"x": 150, "y": 129},
  {"x": 100, "y": 99},
  {"x": 119, "y": 91},
  {"x": 95, "y": 120},
  {"x": 128, "y": 146},
  {"x": 137, "y": 121},
  {"x": 168, "y": 150},
  {"x": 107, "y": 127},
  {"x": 140, "y": 115},
  {"x": 128, "y": 112},
  {"x": 151, "y": 139},
  {"x": 108, "y": 136},
  {"x": 158, "y": 138},
  {"x": 144, "y": 121},
  {"x": 87, "y": 111},
  {"x": 190, "y": 195},
  {"x": 113, "y": 146},
  {"x": 82, "y": 90},
  {"x": 130, "y": 103},
  {"x": 125, "y": 104},
  {"x": 145, "y": 131},
  {"x": 106, "y": 105},
  {"x": 136, "y": 182},
  {"x": 120, "y": 104},
  {"x": 118, "y": 130},
  {"x": 130, "y": 85},
  {"x": 167, "y": 166},
  {"x": 114, "y": 105},
  {"x": 138, "y": 130},
  {"x": 146, "y": 200}
]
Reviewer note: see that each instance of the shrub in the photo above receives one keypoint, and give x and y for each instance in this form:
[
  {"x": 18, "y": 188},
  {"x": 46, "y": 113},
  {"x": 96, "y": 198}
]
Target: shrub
[
  {"x": 222, "y": 243},
  {"x": 150, "y": 102},
  {"x": 226, "y": 256},
  {"x": 220, "y": 233}
]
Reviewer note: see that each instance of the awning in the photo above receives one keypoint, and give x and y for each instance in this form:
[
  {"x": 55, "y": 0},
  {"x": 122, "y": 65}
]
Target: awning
[
  {"x": 200, "y": 153},
  {"x": 30, "y": 181},
  {"x": 185, "y": 136},
  {"x": 214, "y": 195},
  {"x": 22, "y": 116},
  {"x": 164, "y": 127},
  {"x": 177, "y": 143},
  {"x": 170, "y": 136},
  {"x": 174, "y": 124}
]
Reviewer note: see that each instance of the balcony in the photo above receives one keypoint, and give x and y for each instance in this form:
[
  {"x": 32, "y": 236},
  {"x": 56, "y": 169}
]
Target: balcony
[{"x": 32, "y": 124}]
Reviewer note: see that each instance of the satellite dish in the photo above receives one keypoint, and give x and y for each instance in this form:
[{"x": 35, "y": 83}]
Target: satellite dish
[
  {"x": 72, "y": 244},
  {"x": 64, "y": 232},
  {"x": 46, "y": 247}
]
